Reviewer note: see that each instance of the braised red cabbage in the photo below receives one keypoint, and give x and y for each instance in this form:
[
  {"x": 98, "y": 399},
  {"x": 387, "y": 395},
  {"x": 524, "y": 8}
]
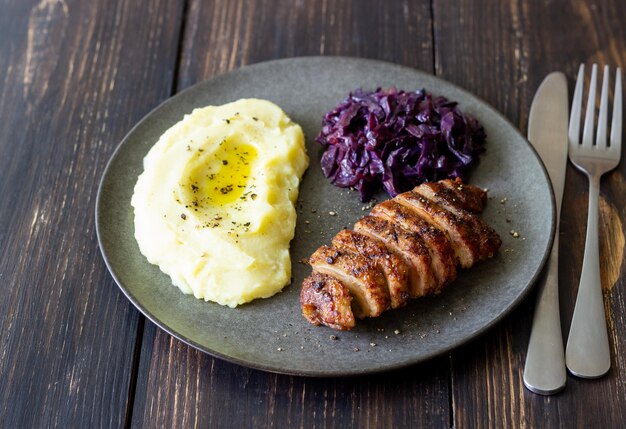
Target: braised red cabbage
[{"x": 397, "y": 139}]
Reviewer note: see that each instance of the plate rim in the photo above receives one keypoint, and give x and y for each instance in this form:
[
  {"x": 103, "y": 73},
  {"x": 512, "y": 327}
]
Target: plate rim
[{"x": 325, "y": 373}]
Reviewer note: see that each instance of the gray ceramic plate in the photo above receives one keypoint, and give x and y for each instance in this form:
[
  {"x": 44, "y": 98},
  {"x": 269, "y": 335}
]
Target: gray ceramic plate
[{"x": 271, "y": 334}]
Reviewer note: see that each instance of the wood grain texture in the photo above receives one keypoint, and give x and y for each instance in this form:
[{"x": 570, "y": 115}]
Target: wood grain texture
[
  {"x": 221, "y": 36},
  {"x": 502, "y": 51},
  {"x": 181, "y": 387},
  {"x": 74, "y": 76}
]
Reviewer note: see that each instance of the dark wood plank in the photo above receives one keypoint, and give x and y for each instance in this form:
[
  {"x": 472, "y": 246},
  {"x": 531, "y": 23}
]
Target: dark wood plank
[
  {"x": 74, "y": 76},
  {"x": 502, "y": 51},
  {"x": 179, "y": 386},
  {"x": 221, "y": 36}
]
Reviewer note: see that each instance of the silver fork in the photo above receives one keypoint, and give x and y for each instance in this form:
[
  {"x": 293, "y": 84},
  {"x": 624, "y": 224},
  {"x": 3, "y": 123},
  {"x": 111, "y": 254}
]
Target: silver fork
[{"x": 588, "y": 353}]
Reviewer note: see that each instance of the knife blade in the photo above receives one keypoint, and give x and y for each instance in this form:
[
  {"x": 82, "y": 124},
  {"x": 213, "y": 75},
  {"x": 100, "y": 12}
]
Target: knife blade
[{"x": 544, "y": 371}]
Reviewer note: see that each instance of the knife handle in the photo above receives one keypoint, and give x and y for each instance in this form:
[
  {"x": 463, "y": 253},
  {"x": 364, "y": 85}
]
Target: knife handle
[{"x": 544, "y": 371}]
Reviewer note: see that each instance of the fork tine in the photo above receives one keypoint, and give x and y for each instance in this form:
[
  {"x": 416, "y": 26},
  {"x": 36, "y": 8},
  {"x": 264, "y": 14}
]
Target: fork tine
[
  {"x": 577, "y": 101},
  {"x": 591, "y": 108},
  {"x": 604, "y": 107},
  {"x": 616, "y": 122}
]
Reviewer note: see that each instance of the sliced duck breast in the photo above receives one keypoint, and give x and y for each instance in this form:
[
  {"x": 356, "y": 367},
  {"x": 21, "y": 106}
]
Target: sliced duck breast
[
  {"x": 394, "y": 268},
  {"x": 472, "y": 198},
  {"x": 407, "y": 245},
  {"x": 362, "y": 277},
  {"x": 325, "y": 300},
  {"x": 437, "y": 242},
  {"x": 487, "y": 239}
]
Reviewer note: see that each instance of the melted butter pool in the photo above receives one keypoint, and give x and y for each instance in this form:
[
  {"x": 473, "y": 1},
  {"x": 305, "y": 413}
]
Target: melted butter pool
[{"x": 218, "y": 178}]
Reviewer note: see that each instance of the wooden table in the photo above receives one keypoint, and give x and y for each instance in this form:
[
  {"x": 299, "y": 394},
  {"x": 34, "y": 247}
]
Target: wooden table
[{"x": 74, "y": 78}]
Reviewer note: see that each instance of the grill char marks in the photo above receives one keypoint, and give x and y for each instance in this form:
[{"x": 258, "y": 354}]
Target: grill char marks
[
  {"x": 407, "y": 247},
  {"x": 436, "y": 241},
  {"x": 361, "y": 276},
  {"x": 325, "y": 300},
  {"x": 394, "y": 268}
]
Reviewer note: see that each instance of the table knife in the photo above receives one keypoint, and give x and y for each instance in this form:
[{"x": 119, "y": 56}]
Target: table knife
[{"x": 544, "y": 371}]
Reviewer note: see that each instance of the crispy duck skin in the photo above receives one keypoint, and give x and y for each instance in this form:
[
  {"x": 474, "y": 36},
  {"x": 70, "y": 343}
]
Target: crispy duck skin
[
  {"x": 441, "y": 252},
  {"x": 408, "y": 246},
  {"x": 405, "y": 244},
  {"x": 325, "y": 300},
  {"x": 364, "y": 280},
  {"x": 394, "y": 268}
]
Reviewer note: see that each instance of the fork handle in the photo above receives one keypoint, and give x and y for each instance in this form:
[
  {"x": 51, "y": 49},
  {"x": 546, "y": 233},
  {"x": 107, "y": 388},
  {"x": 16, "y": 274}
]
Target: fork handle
[{"x": 588, "y": 353}]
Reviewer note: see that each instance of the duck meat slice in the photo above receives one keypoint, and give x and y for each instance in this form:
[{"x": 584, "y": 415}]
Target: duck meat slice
[
  {"x": 326, "y": 301},
  {"x": 407, "y": 245},
  {"x": 471, "y": 198},
  {"x": 487, "y": 239},
  {"x": 362, "y": 277},
  {"x": 394, "y": 268},
  {"x": 462, "y": 237},
  {"x": 441, "y": 252}
]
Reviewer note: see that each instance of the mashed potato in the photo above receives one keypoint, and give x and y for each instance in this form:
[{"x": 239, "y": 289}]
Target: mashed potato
[{"x": 214, "y": 207}]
